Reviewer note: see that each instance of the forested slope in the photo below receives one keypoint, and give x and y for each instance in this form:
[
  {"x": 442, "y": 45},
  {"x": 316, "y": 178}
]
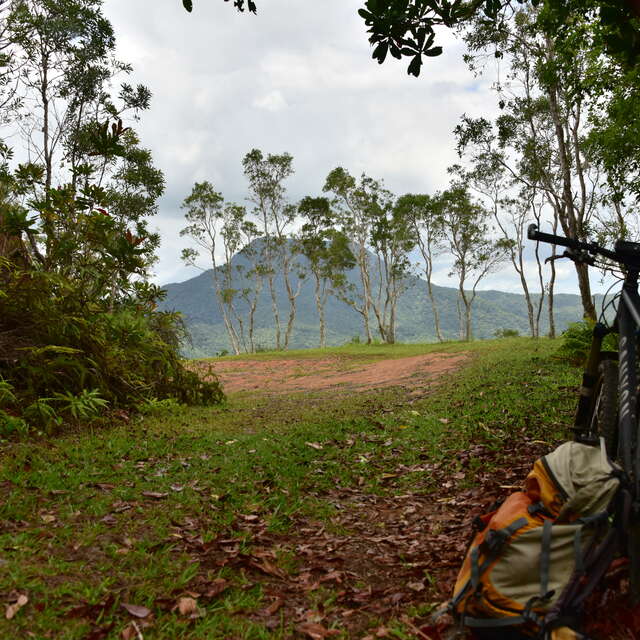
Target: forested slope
[{"x": 493, "y": 310}]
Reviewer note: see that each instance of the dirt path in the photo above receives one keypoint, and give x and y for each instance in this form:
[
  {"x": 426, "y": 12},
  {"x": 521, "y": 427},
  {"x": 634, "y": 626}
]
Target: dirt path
[{"x": 288, "y": 375}]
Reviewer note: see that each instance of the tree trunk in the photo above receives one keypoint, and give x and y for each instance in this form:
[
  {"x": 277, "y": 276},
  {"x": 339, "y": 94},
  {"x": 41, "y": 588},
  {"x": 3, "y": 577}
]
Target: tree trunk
[
  {"x": 274, "y": 307},
  {"x": 320, "y": 308},
  {"x": 585, "y": 292},
  {"x": 291, "y": 295},
  {"x": 366, "y": 292},
  {"x": 436, "y": 314},
  {"x": 571, "y": 225}
]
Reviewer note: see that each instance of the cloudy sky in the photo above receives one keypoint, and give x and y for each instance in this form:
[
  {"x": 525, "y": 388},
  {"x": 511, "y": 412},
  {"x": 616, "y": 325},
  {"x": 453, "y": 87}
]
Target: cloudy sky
[{"x": 293, "y": 78}]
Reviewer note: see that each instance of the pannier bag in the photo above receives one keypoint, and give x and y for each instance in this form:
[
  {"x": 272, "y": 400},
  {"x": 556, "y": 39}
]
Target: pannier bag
[{"x": 526, "y": 552}]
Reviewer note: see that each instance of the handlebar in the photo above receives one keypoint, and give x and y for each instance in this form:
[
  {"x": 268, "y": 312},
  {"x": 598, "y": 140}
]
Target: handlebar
[{"x": 590, "y": 247}]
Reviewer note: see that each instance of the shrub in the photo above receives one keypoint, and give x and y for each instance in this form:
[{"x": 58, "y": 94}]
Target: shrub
[
  {"x": 79, "y": 329},
  {"x": 506, "y": 333},
  {"x": 10, "y": 425},
  {"x": 576, "y": 342},
  {"x": 66, "y": 358}
]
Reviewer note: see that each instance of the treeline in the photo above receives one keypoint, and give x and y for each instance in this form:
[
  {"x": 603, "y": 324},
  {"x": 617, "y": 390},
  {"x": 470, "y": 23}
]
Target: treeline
[
  {"x": 358, "y": 227},
  {"x": 79, "y": 334},
  {"x": 551, "y": 158}
]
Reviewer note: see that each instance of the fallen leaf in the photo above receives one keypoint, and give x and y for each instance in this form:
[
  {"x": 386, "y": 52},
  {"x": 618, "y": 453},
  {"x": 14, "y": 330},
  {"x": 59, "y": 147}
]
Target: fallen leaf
[
  {"x": 314, "y": 445},
  {"x": 12, "y": 609},
  {"x": 48, "y": 518},
  {"x": 100, "y": 633},
  {"x": 136, "y": 610},
  {"x": 216, "y": 587},
  {"x": 316, "y": 631},
  {"x": 157, "y": 495},
  {"x": 110, "y": 520},
  {"x": 120, "y": 506},
  {"x": 177, "y": 488},
  {"x": 269, "y": 568},
  {"x": 274, "y": 607},
  {"x": 444, "y": 420},
  {"x": 187, "y": 606},
  {"x": 131, "y": 632},
  {"x": 416, "y": 586}
]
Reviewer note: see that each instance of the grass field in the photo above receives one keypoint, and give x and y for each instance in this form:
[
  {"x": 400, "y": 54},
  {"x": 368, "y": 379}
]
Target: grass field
[{"x": 299, "y": 515}]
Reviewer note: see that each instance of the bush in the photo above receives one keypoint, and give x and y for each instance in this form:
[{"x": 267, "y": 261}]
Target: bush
[
  {"x": 10, "y": 425},
  {"x": 576, "y": 342},
  {"x": 506, "y": 333},
  {"x": 64, "y": 358}
]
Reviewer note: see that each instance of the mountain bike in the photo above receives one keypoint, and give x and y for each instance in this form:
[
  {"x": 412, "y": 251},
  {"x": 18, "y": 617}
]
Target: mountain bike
[{"x": 607, "y": 411}]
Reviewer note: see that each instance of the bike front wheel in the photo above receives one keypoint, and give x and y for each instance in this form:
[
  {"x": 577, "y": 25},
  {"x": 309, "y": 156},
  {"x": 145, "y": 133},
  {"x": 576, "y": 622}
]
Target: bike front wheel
[{"x": 604, "y": 416}]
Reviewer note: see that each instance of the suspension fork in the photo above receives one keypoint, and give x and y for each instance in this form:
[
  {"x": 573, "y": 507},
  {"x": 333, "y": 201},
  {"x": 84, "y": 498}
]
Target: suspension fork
[{"x": 589, "y": 380}]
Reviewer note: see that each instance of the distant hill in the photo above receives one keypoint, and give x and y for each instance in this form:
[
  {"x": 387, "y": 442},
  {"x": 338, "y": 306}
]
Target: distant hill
[{"x": 492, "y": 310}]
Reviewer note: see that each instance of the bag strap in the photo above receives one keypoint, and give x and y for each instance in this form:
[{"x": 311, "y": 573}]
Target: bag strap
[
  {"x": 493, "y": 546},
  {"x": 545, "y": 557},
  {"x": 595, "y": 562}
]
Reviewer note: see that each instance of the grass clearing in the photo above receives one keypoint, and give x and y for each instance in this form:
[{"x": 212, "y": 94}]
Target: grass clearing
[{"x": 195, "y": 500}]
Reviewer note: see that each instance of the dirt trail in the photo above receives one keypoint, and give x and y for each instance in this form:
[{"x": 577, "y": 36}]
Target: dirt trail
[{"x": 288, "y": 375}]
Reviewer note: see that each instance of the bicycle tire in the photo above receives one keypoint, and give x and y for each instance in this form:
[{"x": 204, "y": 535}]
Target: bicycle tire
[{"x": 604, "y": 415}]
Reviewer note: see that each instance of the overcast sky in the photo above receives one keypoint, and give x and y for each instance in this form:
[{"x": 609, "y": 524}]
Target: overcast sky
[{"x": 293, "y": 78}]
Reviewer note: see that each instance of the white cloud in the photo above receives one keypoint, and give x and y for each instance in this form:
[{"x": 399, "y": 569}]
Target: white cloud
[
  {"x": 272, "y": 101},
  {"x": 294, "y": 78}
]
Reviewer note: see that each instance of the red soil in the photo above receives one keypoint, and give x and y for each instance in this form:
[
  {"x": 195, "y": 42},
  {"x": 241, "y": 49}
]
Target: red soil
[{"x": 287, "y": 375}]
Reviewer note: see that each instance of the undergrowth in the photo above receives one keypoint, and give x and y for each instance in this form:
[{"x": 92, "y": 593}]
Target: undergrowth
[{"x": 90, "y": 519}]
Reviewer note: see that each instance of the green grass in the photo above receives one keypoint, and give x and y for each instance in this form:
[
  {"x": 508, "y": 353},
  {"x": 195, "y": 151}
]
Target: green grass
[
  {"x": 76, "y": 527},
  {"x": 357, "y": 352}
]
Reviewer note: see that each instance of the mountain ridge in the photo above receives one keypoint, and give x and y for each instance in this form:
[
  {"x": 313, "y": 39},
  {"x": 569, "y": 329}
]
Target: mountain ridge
[{"x": 493, "y": 310}]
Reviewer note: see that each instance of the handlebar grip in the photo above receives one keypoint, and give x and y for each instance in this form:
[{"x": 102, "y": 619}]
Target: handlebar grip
[
  {"x": 534, "y": 234},
  {"x": 532, "y": 231}
]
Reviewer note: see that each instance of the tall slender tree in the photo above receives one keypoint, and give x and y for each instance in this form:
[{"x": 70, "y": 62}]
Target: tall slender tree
[
  {"x": 423, "y": 214},
  {"x": 327, "y": 251},
  {"x": 216, "y": 228},
  {"x": 267, "y": 192},
  {"x": 473, "y": 250}
]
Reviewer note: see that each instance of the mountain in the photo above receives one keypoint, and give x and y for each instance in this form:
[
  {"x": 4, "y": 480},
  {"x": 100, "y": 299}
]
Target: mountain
[{"x": 492, "y": 310}]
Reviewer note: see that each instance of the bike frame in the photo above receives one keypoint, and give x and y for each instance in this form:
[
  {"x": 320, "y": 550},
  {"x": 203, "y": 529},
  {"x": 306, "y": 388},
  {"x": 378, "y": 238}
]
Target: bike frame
[{"x": 627, "y": 325}]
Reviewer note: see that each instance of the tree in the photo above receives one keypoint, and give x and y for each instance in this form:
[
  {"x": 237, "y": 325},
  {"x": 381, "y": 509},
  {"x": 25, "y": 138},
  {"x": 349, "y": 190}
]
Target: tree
[
  {"x": 381, "y": 242},
  {"x": 423, "y": 215},
  {"x": 62, "y": 50},
  {"x": 253, "y": 274},
  {"x": 63, "y": 69},
  {"x": 541, "y": 138},
  {"x": 511, "y": 211},
  {"x": 266, "y": 176},
  {"x": 474, "y": 253},
  {"x": 216, "y": 227},
  {"x": 391, "y": 241},
  {"x": 407, "y": 28},
  {"x": 327, "y": 251}
]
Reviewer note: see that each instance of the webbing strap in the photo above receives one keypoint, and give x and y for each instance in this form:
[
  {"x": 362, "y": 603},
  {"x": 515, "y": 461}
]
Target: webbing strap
[
  {"x": 475, "y": 567},
  {"x": 478, "y": 569},
  {"x": 545, "y": 557},
  {"x": 577, "y": 551},
  {"x": 487, "y": 623}
]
